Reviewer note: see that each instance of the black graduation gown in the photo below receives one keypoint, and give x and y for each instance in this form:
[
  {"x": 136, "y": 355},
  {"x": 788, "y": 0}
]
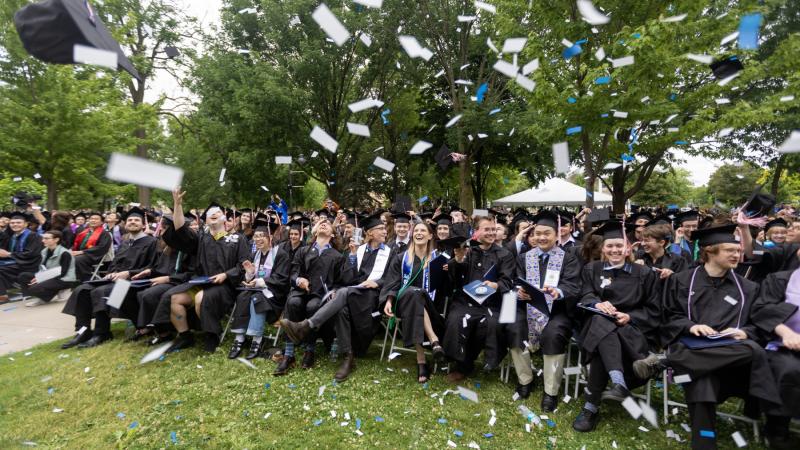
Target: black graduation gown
[
  {"x": 632, "y": 290},
  {"x": 412, "y": 304},
  {"x": 719, "y": 372},
  {"x": 769, "y": 311},
  {"x": 27, "y": 260},
  {"x": 175, "y": 264},
  {"x": 362, "y": 303},
  {"x": 278, "y": 284},
  {"x": 556, "y": 334},
  {"x": 84, "y": 264},
  {"x": 212, "y": 257},
  {"x": 464, "y": 343},
  {"x": 444, "y": 292},
  {"x": 328, "y": 269},
  {"x": 399, "y": 247},
  {"x": 286, "y": 246}
]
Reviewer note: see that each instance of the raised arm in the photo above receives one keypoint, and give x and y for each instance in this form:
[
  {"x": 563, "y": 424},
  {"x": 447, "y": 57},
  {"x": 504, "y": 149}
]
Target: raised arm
[{"x": 177, "y": 207}]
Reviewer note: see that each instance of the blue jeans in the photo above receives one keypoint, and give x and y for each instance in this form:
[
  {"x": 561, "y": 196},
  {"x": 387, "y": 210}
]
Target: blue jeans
[{"x": 256, "y": 325}]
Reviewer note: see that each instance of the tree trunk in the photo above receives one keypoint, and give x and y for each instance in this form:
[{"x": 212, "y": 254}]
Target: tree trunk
[
  {"x": 618, "y": 191},
  {"x": 464, "y": 180},
  {"x": 141, "y": 151},
  {"x": 776, "y": 177},
  {"x": 591, "y": 177},
  {"x": 52, "y": 194}
]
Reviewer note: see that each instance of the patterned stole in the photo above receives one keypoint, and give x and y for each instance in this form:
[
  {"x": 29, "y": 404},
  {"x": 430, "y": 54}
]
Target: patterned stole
[{"x": 536, "y": 320}]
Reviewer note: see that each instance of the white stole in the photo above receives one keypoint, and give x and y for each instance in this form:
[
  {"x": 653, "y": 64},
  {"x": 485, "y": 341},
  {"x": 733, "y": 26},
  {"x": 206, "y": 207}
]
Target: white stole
[{"x": 381, "y": 259}]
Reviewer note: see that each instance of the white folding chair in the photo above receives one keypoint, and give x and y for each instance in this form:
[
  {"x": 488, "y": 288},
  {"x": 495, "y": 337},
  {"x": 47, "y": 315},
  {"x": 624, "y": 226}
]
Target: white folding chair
[{"x": 108, "y": 257}]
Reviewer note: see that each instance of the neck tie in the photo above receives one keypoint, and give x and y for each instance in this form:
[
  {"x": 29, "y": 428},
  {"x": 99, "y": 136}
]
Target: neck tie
[{"x": 542, "y": 268}]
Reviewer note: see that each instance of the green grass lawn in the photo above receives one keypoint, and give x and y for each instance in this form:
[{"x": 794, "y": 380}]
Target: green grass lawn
[{"x": 195, "y": 400}]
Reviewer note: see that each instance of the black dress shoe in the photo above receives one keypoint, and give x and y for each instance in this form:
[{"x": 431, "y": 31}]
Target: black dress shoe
[
  {"x": 96, "y": 340},
  {"x": 296, "y": 331},
  {"x": 524, "y": 390},
  {"x": 308, "y": 360},
  {"x": 617, "y": 393},
  {"x": 549, "y": 403},
  {"x": 156, "y": 340},
  {"x": 236, "y": 349},
  {"x": 438, "y": 352},
  {"x": 79, "y": 339},
  {"x": 586, "y": 421},
  {"x": 255, "y": 350},
  {"x": 211, "y": 342},
  {"x": 184, "y": 340},
  {"x": 284, "y": 366}
]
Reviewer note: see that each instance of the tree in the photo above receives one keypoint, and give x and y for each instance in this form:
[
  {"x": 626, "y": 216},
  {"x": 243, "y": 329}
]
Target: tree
[
  {"x": 731, "y": 185},
  {"x": 666, "y": 188}
]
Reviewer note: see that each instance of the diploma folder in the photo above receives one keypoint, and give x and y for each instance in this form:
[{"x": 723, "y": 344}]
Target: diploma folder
[
  {"x": 538, "y": 297},
  {"x": 478, "y": 291},
  {"x": 200, "y": 280},
  {"x": 594, "y": 310},
  {"x": 700, "y": 342}
]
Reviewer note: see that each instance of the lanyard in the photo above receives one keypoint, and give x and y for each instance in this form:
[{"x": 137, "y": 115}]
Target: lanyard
[{"x": 691, "y": 292}]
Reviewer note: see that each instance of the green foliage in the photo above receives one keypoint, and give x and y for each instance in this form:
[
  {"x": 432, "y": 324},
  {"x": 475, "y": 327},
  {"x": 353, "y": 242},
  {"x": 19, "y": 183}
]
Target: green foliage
[
  {"x": 666, "y": 188},
  {"x": 9, "y": 187},
  {"x": 731, "y": 185},
  {"x": 314, "y": 194}
]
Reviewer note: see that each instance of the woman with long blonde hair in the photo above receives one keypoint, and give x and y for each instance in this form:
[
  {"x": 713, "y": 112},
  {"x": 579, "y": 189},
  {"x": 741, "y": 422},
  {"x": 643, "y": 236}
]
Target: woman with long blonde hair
[{"x": 408, "y": 294}]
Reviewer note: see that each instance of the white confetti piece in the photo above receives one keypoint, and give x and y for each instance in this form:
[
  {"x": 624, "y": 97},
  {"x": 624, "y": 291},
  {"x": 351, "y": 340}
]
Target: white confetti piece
[
  {"x": 367, "y": 103},
  {"x": 57, "y": 410},
  {"x": 143, "y": 172},
  {"x": 600, "y": 54},
  {"x": 671, "y": 19},
  {"x": 324, "y": 139},
  {"x": 358, "y": 129},
  {"x": 321, "y": 390},
  {"x": 370, "y": 3},
  {"x": 590, "y": 14},
  {"x": 739, "y": 439},
  {"x": 680, "y": 379},
  {"x": 506, "y": 68},
  {"x": 246, "y": 363},
  {"x": 527, "y": 69},
  {"x": 525, "y": 82},
  {"x": 420, "y": 147},
  {"x": 330, "y": 24},
  {"x": 561, "y": 157},
  {"x": 84, "y": 54},
  {"x": 453, "y": 121},
  {"x": 488, "y": 7},
  {"x": 632, "y": 407},
  {"x": 705, "y": 59},
  {"x": 468, "y": 394}
]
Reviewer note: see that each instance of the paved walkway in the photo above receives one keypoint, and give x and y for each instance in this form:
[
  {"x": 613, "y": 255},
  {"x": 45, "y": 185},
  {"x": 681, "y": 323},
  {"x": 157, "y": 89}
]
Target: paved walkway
[{"x": 22, "y": 327}]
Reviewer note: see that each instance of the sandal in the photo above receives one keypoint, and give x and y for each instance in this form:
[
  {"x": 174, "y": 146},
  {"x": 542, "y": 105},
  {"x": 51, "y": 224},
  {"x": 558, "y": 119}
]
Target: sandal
[
  {"x": 438, "y": 352},
  {"x": 423, "y": 373}
]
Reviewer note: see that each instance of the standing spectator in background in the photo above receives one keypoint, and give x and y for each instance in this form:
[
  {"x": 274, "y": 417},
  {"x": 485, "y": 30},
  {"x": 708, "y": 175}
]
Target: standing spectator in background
[
  {"x": 280, "y": 206},
  {"x": 112, "y": 226}
]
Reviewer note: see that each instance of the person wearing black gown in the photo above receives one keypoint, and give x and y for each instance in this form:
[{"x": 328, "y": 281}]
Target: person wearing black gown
[
  {"x": 352, "y": 310},
  {"x": 219, "y": 256},
  {"x": 171, "y": 268},
  {"x": 776, "y": 313},
  {"x": 706, "y": 301},
  {"x": 628, "y": 302},
  {"x": 92, "y": 242},
  {"x": 295, "y": 236},
  {"x": 402, "y": 228},
  {"x": 409, "y": 293},
  {"x": 557, "y": 272},
  {"x": 135, "y": 254},
  {"x": 653, "y": 253},
  {"x": 22, "y": 252},
  {"x": 265, "y": 286},
  {"x": 472, "y": 326},
  {"x": 317, "y": 269}
]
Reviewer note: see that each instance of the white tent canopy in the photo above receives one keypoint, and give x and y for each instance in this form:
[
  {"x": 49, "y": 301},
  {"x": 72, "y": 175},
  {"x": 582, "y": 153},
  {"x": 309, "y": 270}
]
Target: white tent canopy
[{"x": 553, "y": 192}]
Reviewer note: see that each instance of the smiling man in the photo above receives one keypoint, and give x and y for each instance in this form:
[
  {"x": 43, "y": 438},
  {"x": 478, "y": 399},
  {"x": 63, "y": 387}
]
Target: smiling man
[{"x": 22, "y": 252}]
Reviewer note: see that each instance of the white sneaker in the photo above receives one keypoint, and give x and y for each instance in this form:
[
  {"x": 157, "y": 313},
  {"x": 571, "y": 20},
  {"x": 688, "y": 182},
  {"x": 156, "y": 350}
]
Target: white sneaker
[{"x": 35, "y": 302}]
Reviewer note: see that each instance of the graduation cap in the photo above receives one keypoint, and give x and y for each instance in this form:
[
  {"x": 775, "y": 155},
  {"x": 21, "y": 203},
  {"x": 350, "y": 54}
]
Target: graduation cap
[
  {"x": 372, "y": 221},
  {"x": 295, "y": 215},
  {"x": 297, "y": 224},
  {"x": 88, "y": 214},
  {"x": 263, "y": 224},
  {"x": 171, "y": 51},
  {"x": 598, "y": 216},
  {"x": 759, "y": 204},
  {"x": 779, "y": 222},
  {"x": 50, "y": 30},
  {"x": 546, "y": 218},
  {"x": 402, "y": 203},
  {"x": 5, "y": 214},
  {"x": 456, "y": 208},
  {"x": 425, "y": 215},
  {"x": 686, "y": 216},
  {"x": 190, "y": 217},
  {"x": 726, "y": 67},
  {"x": 232, "y": 213},
  {"x": 642, "y": 215},
  {"x": 401, "y": 217},
  {"x": 21, "y": 215},
  {"x": 659, "y": 220},
  {"x": 715, "y": 235},
  {"x": 443, "y": 219},
  {"x": 443, "y": 158},
  {"x": 323, "y": 212},
  {"x": 134, "y": 212},
  {"x": 614, "y": 230},
  {"x": 453, "y": 242}
]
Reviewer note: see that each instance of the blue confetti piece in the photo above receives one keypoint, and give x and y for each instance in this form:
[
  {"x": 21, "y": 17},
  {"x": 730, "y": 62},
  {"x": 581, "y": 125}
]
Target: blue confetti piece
[
  {"x": 574, "y": 130},
  {"x": 673, "y": 96},
  {"x": 121, "y": 415},
  {"x": 621, "y": 42},
  {"x": 173, "y": 436},
  {"x": 581, "y": 42},
  {"x": 358, "y": 424},
  {"x": 422, "y": 200},
  {"x": 550, "y": 423},
  {"x": 477, "y": 385},
  {"x": 636, "y": 35},
  {"x": 51, "y": 391},
  {"x": 379, "y": 419},
  {"x": 292, "y": 386},
  {"x": 317, "y": 422},
  {"x": 707, "y": 434},
  {"x": 178, "y": 417},
  {"x": 246, "y": 413},
  {"x": 768, "y": 244},
  {"x": 176, "y": 402},
  {"x": 385, "y": 113},
  {"x": 267, "y": 385},
  {"x": 458, "y": 433},
  {"x": 506, "y": 180},
  {"x": 571, "y": 51},
  {"x": 603, "y": 80},
  {"x": 589, "y": 194},
  {"x": 161, "y": 358},
  {"x": 604, "y": 115},
  {"x": 681, "y": 142},
  {"x": 495, "y": 111},
  {"x": 133, "y": 425},
  {"x": 748, "y": 31},
  {"x": 572, "y": 100},
  {"x": 425, "y": 386},
  {"x": 442, "y": 420},
  {"x": 333, "y": 396},
  {"x": 626, "y": 157},
  {"x": 481, "y": 93},
  {"x": 488, "y": 435}
]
